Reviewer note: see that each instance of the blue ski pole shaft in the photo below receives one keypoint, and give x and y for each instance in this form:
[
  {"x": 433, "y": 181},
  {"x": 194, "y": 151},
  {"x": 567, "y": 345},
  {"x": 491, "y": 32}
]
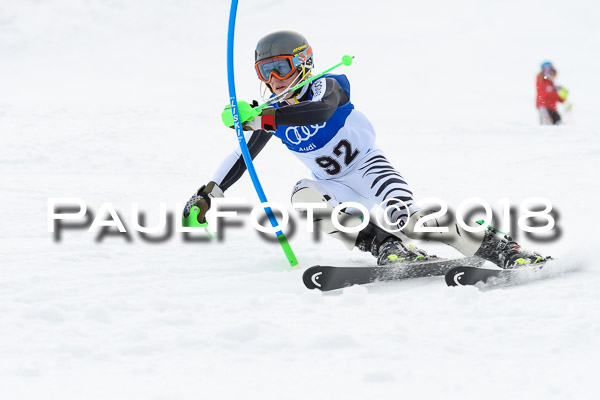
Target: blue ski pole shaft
[{"x": 242, "y": 141}]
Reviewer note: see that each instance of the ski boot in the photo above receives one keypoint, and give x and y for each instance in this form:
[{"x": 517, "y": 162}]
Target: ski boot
[
  {"x": 505, "y": 252},
  {"x": 388, "y": 248},
  {"x": 393, "y": 251}
]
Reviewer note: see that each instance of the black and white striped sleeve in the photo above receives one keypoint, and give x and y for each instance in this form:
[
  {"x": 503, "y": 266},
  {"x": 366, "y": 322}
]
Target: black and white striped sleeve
[{"x": 233, "y": 167}]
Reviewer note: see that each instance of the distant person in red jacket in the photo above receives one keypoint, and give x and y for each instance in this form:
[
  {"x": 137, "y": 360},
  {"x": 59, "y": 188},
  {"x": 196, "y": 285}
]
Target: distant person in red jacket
[{"x": 548, "y": 95}]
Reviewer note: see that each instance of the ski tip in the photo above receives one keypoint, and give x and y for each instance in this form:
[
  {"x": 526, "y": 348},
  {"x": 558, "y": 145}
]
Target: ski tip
[
  {"x": 466, "y": 275},
  {"x": 455, "y": 276},
  {"x": 311, "y": 277}
]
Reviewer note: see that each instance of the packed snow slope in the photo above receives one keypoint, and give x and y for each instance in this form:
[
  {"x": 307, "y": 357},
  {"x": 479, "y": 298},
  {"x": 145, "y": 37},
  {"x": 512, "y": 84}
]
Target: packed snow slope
[{"x": 119, "y": 102}]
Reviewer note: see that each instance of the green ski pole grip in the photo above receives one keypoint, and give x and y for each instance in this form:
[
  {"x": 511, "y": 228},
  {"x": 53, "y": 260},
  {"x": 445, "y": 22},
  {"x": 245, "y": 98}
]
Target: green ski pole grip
[
  {"x": 192, "y": 219},
  {"x": 287, "y": 249},
  {"x": 245, "y": 110}
]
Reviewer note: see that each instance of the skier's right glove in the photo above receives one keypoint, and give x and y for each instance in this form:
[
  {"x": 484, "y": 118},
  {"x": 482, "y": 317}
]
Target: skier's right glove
[
  {"x": 246, "y": 112},
  {"x": 202, "y": 199},
  {"x": 563, "y": 93}
]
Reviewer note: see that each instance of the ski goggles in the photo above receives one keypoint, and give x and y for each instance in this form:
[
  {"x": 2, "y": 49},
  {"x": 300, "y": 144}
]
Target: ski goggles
[
  {"x": 549, "y": 71},
  {"x": 282, "y": 67}
]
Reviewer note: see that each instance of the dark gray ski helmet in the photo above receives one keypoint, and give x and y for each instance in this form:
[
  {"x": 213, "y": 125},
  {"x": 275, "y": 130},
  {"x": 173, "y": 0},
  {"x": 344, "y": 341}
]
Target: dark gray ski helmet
[{"x": 282, "y": 43}]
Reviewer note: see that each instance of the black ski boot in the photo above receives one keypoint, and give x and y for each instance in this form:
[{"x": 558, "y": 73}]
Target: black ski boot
[
  {"x": 388, "y": 248},
  {"x": 394, "y": 251},
  {"x": 505, "y": 252}
]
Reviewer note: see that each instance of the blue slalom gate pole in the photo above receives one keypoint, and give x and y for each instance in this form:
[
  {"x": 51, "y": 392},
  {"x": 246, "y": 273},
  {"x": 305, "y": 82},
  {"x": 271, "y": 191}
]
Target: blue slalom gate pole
[{"x": 242, "y": 141}]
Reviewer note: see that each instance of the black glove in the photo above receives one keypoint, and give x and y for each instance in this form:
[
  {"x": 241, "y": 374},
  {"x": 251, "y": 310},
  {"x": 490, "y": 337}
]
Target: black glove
[{"x": 202, "y": 199}]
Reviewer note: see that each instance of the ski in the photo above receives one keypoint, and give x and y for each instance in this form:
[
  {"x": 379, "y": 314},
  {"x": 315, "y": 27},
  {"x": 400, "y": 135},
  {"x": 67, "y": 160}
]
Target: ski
[
  {"x": 327, "y": 278},
  {"x": 468, "y": 275}
]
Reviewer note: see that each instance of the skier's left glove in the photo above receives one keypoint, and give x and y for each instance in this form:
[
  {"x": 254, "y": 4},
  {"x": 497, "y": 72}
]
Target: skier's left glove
[{"x": 265, "y": 120}]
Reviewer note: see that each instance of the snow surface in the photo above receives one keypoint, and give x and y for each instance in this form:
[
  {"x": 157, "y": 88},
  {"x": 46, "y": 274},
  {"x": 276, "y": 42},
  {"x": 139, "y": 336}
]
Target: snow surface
[{"x": 119, "y": 101}]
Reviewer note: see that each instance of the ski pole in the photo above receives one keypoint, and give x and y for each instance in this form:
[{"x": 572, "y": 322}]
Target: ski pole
[
  {"x": 287, "y": 249},
  {"x": 192, "y": 221},
  {"x": 346, "y": 60},
  {"x": 248, "y": 113}
]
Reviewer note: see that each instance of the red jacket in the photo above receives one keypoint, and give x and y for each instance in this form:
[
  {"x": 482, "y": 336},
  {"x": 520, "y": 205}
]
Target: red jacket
[{"x": 547, "y": 94}]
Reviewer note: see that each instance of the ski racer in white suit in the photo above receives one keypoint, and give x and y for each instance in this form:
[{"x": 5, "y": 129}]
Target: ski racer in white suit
[{"x": 319, "y": 124}]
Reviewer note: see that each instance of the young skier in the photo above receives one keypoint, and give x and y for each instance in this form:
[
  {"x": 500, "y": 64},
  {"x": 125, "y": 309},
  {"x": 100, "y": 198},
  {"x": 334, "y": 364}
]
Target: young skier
[
  {"x": 319, "y": 124},
  {"x": 548, "y": 95}
]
